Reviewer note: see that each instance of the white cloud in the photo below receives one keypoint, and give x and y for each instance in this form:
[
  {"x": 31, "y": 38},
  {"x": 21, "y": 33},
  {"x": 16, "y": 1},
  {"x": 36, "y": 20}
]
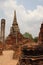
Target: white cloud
[{"x": 28, "y": 20}]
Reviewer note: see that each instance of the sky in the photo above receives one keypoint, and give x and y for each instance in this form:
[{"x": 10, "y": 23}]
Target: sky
[{"x": 29, "y": 15}]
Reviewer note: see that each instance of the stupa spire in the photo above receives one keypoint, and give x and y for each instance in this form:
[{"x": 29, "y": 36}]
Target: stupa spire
[
  {"x": 14, "y": 20},
  {"x": 14, "y": 27}
]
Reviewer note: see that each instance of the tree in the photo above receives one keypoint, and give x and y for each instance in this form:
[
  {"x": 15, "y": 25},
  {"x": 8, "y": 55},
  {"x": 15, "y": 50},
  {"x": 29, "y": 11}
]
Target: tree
[
  {"x": 35, "y": 39},
  {"x": 28, "y": 35}
]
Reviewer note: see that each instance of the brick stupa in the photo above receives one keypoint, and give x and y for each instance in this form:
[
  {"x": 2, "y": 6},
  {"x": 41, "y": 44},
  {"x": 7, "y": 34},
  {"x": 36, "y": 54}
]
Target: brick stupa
[{"x": 15, "y": 38}]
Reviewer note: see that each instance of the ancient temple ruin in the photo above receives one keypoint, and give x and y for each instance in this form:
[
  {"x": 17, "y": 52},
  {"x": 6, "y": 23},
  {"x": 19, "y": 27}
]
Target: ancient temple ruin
[
  {"x": 15, "y": 35},
  {"x": 15, "y": 38}
]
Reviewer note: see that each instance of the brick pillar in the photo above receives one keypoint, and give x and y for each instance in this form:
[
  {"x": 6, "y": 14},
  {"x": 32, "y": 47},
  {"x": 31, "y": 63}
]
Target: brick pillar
[{"x": 3, "y": 30}]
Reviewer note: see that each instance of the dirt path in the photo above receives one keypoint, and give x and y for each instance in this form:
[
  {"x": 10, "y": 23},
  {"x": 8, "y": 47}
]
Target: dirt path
[{"x": 6, "y": 58}]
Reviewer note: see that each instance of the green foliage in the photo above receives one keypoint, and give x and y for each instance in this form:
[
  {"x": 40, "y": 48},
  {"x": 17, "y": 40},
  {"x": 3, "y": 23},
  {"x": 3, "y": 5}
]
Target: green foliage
[
  {"x": 35, "y": 39},
  {"x": 27, "y": 35}
]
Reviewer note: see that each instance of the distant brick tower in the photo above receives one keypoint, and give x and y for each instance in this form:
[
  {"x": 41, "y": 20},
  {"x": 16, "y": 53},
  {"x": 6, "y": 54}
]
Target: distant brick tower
[
  {"x": 41, "y": 35},
  {"x": 3, "y": 30}
]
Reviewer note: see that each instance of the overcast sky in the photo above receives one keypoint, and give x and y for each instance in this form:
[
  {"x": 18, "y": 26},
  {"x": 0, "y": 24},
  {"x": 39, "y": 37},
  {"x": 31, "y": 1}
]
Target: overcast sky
[{"x": 29, "y": 14}]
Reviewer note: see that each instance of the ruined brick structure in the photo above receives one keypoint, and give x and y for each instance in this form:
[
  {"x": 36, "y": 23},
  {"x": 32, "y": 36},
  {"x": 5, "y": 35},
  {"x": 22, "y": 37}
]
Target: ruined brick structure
[
  {"x": 40, "y": 41},
  {"x": 2, "y": 36},
  {"x": 32, "y": 55}
]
